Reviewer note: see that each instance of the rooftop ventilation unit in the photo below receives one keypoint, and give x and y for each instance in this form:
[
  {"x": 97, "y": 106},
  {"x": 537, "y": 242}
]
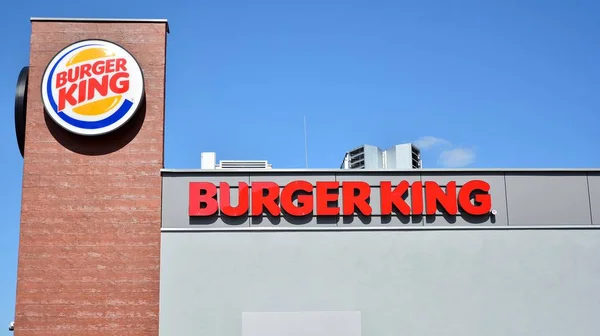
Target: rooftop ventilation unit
[
  {"x": 240, "y": 164},
  {"x": 209, "y": 161}
]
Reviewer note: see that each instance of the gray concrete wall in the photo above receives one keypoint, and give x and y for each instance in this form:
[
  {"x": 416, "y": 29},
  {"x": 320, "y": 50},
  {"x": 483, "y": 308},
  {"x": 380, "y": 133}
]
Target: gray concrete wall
[{"x": 422, "y": 282}]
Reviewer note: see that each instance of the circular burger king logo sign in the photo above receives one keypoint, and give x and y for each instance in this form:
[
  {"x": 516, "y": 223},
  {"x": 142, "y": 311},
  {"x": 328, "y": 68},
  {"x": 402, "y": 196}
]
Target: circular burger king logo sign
[{"x": 92, "y": 87}]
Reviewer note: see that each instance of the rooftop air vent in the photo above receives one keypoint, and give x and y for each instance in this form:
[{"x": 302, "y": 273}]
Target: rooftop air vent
[{"x": 238, "y": 164}]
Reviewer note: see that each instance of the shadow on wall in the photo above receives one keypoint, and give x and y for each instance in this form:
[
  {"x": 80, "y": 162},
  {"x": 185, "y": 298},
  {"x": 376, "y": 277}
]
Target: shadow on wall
[
  {"x": 268, "y": 220},
  {"x": 242, "y": 220},
  {"x": 483, "y": 219},
  {"x": 440, "y": 218},
  {"x": 101, "y": 144}
]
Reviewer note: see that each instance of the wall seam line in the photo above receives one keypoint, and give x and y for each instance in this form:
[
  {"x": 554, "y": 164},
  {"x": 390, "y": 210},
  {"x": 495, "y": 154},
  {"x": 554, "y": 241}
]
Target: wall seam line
[
  {"x": 413, "y": 228},
  {"x": 587, "y": 181},
  {"x": 506, "y": 200},
  {"x": 423, "y": 190}
]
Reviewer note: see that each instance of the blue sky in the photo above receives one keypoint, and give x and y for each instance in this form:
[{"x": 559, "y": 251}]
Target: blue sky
[{"x": 512, "y": 83}]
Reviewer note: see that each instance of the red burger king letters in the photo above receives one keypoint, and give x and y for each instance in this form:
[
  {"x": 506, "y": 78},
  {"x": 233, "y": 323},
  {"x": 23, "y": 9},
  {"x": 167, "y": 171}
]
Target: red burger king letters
[
  {"x": 87, "y": 81},
  {"x": 302, "y": 198}
]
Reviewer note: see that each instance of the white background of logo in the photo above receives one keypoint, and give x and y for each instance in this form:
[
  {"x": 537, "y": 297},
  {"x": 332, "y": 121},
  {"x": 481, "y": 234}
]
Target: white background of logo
[{"x": 134, "y": 94}]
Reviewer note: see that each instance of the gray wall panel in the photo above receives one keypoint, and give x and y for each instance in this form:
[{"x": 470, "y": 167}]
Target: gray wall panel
[
  {"x": 230, "y": 177},
  {"x": 291, "y": 221},
  {"x": 497, "y": 191},
  {"x": 379, "y": 221},
  {"x": 374, "y": 200},
  {"x": 176, "y": 201},
  {"x": 427, "y": 283},
  {"x": 552, "y": 199},
  {"x": 463, "y": 220},
  {"x": 375, "y": 178},
  {"x": 301, "y": 324},
  {"x": 534, "y": 198},
  {"x": 374, "y": 181},
  {"x": 282, "y": 179},
  {"x": 594, "y": 187}
]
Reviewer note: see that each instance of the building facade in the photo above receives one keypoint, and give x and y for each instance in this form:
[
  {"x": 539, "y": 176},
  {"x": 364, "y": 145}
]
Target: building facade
[
  {"x": 112, "y": 243},
  {"x": 523, "y": 263}
]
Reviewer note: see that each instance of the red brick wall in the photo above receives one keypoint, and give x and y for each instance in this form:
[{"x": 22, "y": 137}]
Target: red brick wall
[{"x": 91, "y": 208}]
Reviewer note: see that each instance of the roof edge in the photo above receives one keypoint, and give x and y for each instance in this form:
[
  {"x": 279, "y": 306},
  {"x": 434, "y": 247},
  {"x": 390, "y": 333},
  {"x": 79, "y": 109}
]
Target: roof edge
[
  {"x": 58, "y": 19},
  {"x": 380, "y": 171}
]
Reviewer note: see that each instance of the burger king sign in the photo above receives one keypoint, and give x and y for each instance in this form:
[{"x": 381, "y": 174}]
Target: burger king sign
[{"x": 92, "y": 87}]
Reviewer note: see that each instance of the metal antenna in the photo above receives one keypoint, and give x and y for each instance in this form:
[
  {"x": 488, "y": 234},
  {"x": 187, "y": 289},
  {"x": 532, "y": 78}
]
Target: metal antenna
[{"x": 305, "y": 144}]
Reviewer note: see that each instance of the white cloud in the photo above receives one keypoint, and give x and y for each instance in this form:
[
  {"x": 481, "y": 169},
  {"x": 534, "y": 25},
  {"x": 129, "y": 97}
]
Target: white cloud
[
  {"x": 457, "y": 157},
  {"x": 449, "y": 157},
  {"x": 427, "y": 142}
]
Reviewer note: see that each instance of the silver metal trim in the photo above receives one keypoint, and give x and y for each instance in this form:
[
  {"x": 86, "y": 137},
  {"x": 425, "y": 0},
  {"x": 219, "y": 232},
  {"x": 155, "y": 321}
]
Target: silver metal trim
[
  {"x": 57, "y": 19},
  {"x": 383, "y": 228},
  {"x": 381, "y": 171},
  {"x": 589, "y": 192}
]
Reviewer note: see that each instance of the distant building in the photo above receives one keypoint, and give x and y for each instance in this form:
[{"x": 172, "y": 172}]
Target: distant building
[{"x": 402, "y": 156}]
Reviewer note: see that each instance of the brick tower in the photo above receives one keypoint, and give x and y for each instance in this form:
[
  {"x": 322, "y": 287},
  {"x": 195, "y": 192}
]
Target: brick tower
[{"x": 91, "y": 204}]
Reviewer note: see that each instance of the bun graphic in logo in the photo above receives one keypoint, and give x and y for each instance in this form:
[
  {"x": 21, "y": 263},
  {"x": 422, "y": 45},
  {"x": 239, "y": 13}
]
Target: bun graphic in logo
[{"x": 92, "y": 87}]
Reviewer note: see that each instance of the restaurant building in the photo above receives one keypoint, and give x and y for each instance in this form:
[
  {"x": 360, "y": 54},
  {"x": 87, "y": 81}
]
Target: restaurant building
[{"x": 114, "y": 243}]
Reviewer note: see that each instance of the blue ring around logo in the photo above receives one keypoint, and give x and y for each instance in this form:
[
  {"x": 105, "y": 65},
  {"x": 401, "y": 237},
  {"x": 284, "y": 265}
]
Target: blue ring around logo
[{"x": 123, "y": 109}]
